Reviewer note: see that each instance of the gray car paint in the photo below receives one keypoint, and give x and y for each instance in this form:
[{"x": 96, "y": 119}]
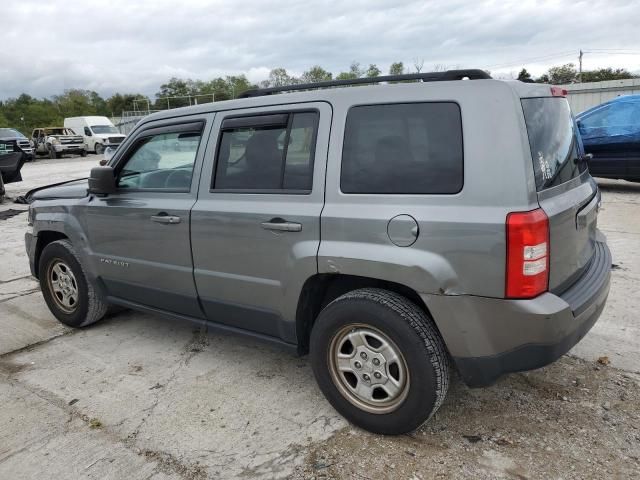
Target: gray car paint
[{"x": 242, "y": 271}]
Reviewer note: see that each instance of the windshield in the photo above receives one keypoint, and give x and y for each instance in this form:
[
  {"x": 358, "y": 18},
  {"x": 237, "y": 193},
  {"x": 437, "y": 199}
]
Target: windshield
[
  {"x": 10, "y": 132},
  {"x": 552, "y": 139},
  {"x": 58, "y": 131},
  {"x": 104, "y": 129}
]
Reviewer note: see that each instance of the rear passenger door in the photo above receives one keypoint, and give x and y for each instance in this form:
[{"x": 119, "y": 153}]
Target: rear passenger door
[{"x": 255, "y": 229}]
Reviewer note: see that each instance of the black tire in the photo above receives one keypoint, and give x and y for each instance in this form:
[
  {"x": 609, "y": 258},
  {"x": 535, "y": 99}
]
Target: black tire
[
  {"x": 52, "y": 153},
  {"x": 89, "y": 307},
  {"x": 414, "y": 334},
  {"x": 99, "y": 148},
  {"x": 83, "y": 153}
]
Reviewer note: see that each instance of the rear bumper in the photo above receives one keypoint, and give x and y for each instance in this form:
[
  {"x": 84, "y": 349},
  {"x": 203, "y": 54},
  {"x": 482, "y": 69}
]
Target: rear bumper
[{"x": 489, "y": 337}]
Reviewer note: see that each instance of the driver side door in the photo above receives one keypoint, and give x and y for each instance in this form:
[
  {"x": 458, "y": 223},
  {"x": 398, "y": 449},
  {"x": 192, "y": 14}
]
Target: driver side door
[{"x": 139, "y": 236}]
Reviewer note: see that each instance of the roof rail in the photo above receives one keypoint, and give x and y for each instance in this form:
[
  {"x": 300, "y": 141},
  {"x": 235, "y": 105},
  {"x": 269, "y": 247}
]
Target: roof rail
[{"x": 471, "y": 74}]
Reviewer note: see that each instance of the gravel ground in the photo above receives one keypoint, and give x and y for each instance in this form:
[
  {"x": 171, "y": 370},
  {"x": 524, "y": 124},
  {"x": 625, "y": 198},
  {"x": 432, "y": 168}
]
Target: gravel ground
[
  {"x": 574, "y": 419},
  {"x": 141, "y": 397}
]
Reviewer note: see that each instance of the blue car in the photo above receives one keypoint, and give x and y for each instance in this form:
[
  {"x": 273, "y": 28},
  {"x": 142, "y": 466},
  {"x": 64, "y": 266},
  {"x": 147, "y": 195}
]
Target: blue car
[{"x": 611, "y": 133}]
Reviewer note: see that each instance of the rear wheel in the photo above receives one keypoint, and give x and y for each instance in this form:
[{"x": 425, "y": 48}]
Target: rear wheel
[
  {"x": 68, "y": 294},
  {"x": 379, "y": 360}
]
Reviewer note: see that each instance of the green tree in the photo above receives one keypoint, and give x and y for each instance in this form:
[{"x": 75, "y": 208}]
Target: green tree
[
  {"x": 354, "y": 72},
  {"x": 603, "y": 74},
  {"x": 396, "y": 68},
  {"x": 316, "y": 74},
  {"x": 524, "y": 76},
  {"x": 118, "y": 103},
  {"x": 563, "y": 74},
  {"x": 76, "y": 102},
  {"x": 279, "y": 77},
  {"x": 373, "y": 71}
]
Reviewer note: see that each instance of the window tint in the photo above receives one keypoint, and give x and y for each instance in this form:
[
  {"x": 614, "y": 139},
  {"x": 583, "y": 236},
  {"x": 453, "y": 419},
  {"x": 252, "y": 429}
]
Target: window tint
[
  {"x": 552, "y": 140},
  {"x": 617, "y": 114},
  {"x": 268, "y": 157},
  {"x": 413, "y": 148},
  {"x": 163, "y": 161}
]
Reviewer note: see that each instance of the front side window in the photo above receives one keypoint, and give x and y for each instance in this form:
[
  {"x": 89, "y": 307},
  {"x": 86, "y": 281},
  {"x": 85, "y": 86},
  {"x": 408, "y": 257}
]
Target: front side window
[
  {"x": 104, "y": 129},
  {"x": 410, "y": 148},
  {"x": 269, "y": 152},
  {"x": 161, "y": 162}
]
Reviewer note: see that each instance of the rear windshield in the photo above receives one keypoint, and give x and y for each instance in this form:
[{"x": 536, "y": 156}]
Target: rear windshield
[{"x": 552, "y": 139}]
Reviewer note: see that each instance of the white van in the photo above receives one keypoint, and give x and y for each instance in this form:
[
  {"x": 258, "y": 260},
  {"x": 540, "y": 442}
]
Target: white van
[{"x": 99, "y": 133}]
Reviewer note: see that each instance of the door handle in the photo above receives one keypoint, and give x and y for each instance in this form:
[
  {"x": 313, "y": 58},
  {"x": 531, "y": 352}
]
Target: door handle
[
  {"x": 165, "y": 219},
  {"x": 281, "y": 225}
]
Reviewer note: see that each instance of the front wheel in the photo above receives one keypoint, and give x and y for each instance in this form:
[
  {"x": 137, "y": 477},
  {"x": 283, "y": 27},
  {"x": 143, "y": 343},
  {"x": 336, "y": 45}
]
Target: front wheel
[
  {"x": 380, "y": 361},
  {"x": 83, "y": 153},
  {"x": 99, "y": 149},
  {"x": 68, "y": 294},
  {"x": 52, "y": 153}
]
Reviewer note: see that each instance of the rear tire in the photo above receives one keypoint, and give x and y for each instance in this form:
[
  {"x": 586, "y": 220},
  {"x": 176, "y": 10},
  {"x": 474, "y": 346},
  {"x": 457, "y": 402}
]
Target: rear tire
[
  {"x": 379, "y": 360},
  {"x": 68, "y": 294}
]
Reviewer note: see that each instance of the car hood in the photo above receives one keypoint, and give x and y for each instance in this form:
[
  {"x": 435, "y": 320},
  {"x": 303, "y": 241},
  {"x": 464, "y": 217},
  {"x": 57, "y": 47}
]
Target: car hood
[
  {"x": 11, "y": 139},
  {"x": 71, "y": 189}
]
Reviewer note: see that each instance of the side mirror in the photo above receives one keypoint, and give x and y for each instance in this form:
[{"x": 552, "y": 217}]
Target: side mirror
[{"x": 102, "y": 181}]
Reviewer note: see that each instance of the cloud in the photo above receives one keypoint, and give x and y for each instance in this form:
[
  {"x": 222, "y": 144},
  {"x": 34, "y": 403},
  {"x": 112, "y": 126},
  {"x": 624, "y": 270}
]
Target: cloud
[{"x": 135, "y": 46}]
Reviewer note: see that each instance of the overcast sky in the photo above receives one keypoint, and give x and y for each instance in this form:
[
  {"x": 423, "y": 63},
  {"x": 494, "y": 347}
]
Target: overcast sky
[{"x": 47, "y": 46}]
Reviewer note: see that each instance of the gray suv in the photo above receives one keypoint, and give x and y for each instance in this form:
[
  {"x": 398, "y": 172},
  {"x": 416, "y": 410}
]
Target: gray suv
[{"x": 388, "y": 230}]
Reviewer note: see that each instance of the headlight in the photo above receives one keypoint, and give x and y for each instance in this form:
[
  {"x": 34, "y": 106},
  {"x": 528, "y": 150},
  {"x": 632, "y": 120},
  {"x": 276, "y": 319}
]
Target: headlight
[{"x": 55, "y": 141}]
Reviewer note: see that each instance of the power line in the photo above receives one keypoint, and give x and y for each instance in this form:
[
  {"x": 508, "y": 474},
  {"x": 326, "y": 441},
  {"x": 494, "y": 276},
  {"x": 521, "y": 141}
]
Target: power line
[{"x": 533, "y": 59}]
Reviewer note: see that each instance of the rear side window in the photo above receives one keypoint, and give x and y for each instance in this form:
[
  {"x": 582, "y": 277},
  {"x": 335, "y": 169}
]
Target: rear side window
[
  {"x": 269, "y": 152},
  {"x": 552, "y": 139},
  {"x": 409, "y": 148}
]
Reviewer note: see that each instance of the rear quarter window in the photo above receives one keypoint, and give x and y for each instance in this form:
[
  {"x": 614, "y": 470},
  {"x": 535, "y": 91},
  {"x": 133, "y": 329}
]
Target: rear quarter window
[
  {"x": 552, "y": 140},
  {"x": 409, "y": 148}
]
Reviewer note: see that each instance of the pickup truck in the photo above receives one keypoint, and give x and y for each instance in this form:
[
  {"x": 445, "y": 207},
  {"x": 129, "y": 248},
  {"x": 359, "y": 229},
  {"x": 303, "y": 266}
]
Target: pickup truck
[
  {"x": 11, "y": 160},
  {"x": 57, "y": 141}
]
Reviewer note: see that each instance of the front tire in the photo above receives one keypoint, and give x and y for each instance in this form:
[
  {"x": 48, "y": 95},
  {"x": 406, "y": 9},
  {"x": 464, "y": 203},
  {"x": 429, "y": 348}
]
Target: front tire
[
  {"x": 68, "y": 294},
  {"x": 99, "y": 149},
  {"x": 379, "y": 360},
  {"x": 52, "y": 153},
  {"x": 83, "y": 153}
]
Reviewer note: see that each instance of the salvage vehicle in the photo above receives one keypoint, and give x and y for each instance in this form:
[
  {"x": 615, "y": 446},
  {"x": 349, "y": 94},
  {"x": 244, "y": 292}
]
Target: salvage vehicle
[
  {"x": 611, "y": 135},
  {"x": 57, "y": 141},
  {"x": 387, "y": 230},
  {"x": 98, "y": 132},
  {"x": 22, "y": 142},
  {"x": 12, "y": 158}
]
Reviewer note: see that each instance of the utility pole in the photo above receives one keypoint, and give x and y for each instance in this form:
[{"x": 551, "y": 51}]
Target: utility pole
[{"x": 580, "y": 68}]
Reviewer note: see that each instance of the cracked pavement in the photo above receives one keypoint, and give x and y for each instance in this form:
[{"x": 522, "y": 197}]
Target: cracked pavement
[{"x": 142, "y": 397}]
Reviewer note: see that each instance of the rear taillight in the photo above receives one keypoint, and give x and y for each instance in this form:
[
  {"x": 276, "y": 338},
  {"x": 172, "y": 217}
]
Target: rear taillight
[
  {"x": 527, "y": 274},
  {"x": 558, "y": 92}
]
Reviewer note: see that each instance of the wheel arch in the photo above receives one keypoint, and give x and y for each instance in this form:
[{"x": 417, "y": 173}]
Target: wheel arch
[
  {"x": 45, "y": 237},
  {"x": 321, "y": 289}
]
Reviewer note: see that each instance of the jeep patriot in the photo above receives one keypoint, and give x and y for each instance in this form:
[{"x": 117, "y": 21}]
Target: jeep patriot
[{"x": 392, "y": 231}]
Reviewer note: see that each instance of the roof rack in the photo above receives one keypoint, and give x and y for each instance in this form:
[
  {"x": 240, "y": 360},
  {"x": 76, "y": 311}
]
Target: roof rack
[{"x": 471, "y": 74}]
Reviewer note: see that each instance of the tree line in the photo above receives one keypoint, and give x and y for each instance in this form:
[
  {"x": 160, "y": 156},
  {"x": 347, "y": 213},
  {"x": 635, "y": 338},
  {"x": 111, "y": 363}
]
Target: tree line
[{"x": 26, "y": 112}]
